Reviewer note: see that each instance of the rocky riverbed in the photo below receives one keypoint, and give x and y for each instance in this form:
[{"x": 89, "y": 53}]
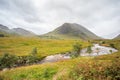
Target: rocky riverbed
[{"x": 96, "y": 51}]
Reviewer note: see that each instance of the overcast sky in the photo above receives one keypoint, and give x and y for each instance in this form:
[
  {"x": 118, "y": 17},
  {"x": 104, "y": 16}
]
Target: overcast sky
[{"x": 41, "y": 16}]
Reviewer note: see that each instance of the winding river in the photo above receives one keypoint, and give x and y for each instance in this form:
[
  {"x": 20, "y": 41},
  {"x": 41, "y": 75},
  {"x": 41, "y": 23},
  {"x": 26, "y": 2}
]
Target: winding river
[{"x": 96, "y": 51}]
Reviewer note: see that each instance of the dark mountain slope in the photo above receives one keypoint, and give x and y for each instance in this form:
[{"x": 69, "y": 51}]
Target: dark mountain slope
[
  {"x": 69, "y": 30},
  {"x": 5, "y": 31},
  {"x": 118, "y": 37}
]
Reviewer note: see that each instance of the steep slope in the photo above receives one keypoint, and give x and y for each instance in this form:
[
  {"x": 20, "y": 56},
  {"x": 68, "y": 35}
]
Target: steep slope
[
  {"x": 22, "y": 32},
  {"x": 4, "y": 28},
  {"x": 69, "y": 30},
  {"x": 5, "y": 31},
  {"x": 118, "y": 37}
]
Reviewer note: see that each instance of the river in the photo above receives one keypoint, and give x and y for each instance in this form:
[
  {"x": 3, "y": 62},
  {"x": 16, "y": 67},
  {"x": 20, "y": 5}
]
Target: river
[{"x": 96, "y": 51}]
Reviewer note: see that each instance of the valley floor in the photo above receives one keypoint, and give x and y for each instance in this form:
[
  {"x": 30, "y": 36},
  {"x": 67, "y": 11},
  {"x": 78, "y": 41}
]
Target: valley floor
[{"x": 103, "y": 67}]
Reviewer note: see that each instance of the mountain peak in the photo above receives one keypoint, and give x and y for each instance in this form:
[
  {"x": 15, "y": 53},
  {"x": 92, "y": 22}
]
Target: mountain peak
[
  {"x": 72, "y": 30},
  {"x": 16, "y": 31}
]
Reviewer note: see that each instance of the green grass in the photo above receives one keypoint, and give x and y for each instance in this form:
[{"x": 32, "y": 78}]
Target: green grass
[
  {"x": 104, "y": 67},
  {"x": 63, "y": 70},
  {"x": 22, "y": 46},
  {"x": 40, "y": 72}
]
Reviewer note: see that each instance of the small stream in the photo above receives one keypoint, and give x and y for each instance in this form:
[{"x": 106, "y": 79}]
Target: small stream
[
  {"x": 96, "y": 51},
  {"x": 55, "y": 58}
]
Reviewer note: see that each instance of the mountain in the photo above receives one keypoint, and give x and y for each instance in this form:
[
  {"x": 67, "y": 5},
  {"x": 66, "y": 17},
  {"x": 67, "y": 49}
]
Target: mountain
[
  {"x": 4, "y": 28},
  {"x": 5, "y": 31},
  {"x": 71, "y": 30},
  {"x": 118, "y": 37},
  {"x": 23, "y": 32}
]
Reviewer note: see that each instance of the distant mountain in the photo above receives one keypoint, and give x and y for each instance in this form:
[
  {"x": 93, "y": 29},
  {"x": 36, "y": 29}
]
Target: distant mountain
[
  {"x": 23, "y": 32},
  {"x": 71, "y": 30},
  {"x": 118, "y": 37},
  {"x": 4, "y": 28},
  {"x": 5, "y": 31}
]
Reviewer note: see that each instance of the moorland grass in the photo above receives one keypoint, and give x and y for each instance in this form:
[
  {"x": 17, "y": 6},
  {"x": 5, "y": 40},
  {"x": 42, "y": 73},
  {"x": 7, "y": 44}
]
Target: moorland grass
[
  {"x": 22, "y": 46},
  {"x": 104, "y": 67}
]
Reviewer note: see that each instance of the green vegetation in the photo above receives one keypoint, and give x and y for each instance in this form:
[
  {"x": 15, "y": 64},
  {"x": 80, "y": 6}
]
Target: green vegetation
[
  {"x": 76, "y": 48},
  {"x": 2, "y": 35},
  {"x": 21, "y": 46},
  {"x": 112, "y": 45},
  {"x": 111, "y": 51},
  {"x": 32, "y": 58},
  {"x": 89, "y": 50},
  {"x": 31, "y": 50},
  {"x": 96, "y": 71},
  {"x": 104, "y": 67},
  {"x": 7, "y": 61},
  {"x": 34, "y": 52},
  {"x": 10, "y": 60}
]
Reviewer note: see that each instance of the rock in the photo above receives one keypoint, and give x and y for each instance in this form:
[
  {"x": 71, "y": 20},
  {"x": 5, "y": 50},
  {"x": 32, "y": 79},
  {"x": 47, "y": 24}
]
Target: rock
[
  {"x": 98, "y": 50},
  {"x": 5, "y": 69}
]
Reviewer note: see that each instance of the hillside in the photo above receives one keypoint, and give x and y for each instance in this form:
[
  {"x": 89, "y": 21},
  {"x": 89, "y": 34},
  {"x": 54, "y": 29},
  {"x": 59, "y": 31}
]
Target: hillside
[
  {"x": 5, "y": 31},
  {"x": 23, "y": 32},
  {"x": 71, "y": 31},
  {"x": 118, "y": 37}
]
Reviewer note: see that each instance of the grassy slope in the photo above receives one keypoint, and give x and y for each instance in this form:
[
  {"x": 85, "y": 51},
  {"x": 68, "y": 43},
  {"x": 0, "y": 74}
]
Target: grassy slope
[
  {"x": 4, "y": 33},
  {"x": 38, "y": 72},
  {"x": 23, "y": 46},
  {"x": 8, "y": 34},
  {"x": 60, "y": 70}
]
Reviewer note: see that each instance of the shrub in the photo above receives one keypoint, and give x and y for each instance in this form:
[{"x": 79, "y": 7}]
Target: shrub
[
  {"x": 96, "y": 70},
  {"x": 102, "y": 42},
  {"x": 113, "y": 71},
  {"x": 31, "y": 59},
  {"x": 34, "y": 52},
  {"x": 110, "y": 51},
  {"x": 112, "y": 45},
  {"x": 2, "y": 35},
  {"x": 97, "y": 50},
  {"x": 21, "y": 60},
  {"x": 77, "y": 48},
  {"x": 7, "y": 61},
  {"x": 89, "y": 50}
]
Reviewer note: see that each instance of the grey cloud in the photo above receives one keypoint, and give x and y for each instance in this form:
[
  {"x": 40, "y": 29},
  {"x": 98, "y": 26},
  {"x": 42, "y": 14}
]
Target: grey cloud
[
  {"x": 100, "y": 16},
  {"x": 21, "y": 8}
]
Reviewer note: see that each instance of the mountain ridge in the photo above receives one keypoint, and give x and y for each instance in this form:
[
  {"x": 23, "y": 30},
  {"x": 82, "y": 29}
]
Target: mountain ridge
[
  {"x": 72, "y": 30},
  {"x": 117, "y": 37},
  {"x": 15, "y": 31}
]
